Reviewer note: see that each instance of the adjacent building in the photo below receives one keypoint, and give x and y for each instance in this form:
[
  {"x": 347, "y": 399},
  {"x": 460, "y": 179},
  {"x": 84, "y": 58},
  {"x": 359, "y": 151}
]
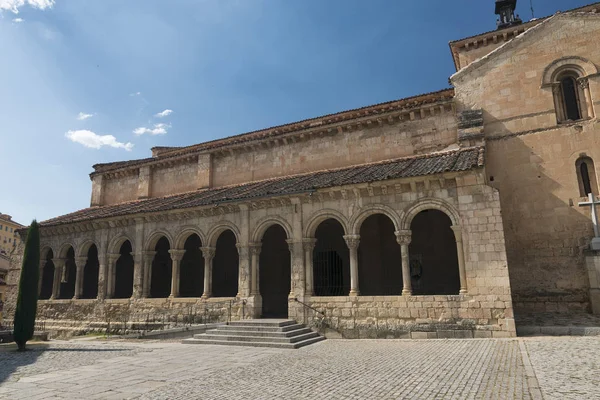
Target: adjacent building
[{"x": 9, "y": 239}]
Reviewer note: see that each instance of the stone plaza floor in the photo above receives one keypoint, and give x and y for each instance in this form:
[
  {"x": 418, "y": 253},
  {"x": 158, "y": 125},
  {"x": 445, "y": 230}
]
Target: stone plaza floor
[{"x": 524, "y": 368}]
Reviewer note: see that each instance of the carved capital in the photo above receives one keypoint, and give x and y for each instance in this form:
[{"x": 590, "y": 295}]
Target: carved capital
[
  {"x": 457, "y": 232},
  {"x": 208, "y": 252},
  {"x": 176, "y": 255},
  {"x": 309, "y": 243},
  {"x": 59, "y": 262},
  {"x": 352, "y": 241},
  {"x": 403, "y": 236},
  {"x": 113, "y": 257},
  {"x": 148, "y": 255},
  {"x": 80, "y": 261},
  {"x": 584, "y": 83},
  {"x": 255, "y": 249},
  {"x": 242, "y": 249}
]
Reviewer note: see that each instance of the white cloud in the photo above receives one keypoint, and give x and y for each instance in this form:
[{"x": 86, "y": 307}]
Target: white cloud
[
  {"x": 95, "y": 141},
  {"x": 162, "y": 114},
  {"x": 83, "y": 116},
  {"x": 135, "y": 94},
  {"x": 14, "y": 5},
  {"x": 159, "y": 129},
  {"x": 18, "y": 20}
]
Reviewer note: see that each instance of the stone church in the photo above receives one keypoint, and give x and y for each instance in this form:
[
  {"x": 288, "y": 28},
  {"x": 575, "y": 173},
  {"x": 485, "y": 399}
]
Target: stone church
[{"x": 443, "y": 213}]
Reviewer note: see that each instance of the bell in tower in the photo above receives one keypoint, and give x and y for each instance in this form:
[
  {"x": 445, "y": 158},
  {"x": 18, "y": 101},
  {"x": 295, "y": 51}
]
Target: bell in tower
[{"x": 506, "y": 10}]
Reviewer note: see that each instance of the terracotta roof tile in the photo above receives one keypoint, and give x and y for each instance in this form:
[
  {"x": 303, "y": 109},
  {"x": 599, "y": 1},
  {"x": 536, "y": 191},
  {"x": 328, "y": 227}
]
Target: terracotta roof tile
[{"x": 454, "y": 160}]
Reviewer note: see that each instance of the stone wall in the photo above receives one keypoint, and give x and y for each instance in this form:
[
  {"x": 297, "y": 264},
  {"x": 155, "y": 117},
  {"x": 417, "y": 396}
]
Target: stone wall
[{"x": 531, "y": 160}]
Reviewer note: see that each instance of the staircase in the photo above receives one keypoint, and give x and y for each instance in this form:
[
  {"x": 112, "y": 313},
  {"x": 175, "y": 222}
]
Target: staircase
[{"x": 275, "y": 333}]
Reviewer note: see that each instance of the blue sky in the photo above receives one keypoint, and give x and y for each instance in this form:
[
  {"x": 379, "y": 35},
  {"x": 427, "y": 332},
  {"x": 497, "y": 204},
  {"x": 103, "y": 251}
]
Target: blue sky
[{"x": 80, "y": 73}]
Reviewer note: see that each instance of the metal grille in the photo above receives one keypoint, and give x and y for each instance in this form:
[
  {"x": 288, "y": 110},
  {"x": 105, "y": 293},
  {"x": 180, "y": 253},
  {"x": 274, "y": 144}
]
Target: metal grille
[{"x": 329, "y": 274}]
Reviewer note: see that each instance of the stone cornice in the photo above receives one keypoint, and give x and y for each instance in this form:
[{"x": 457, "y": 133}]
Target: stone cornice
[{"x": 399, "y": 111}]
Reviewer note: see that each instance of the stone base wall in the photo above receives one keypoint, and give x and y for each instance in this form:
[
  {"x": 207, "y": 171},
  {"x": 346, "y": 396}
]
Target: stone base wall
[{"x": 460, "y": 316}]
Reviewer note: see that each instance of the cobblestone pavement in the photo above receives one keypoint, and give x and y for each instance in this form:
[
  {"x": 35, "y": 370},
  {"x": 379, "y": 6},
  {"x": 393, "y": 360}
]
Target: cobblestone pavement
[{"x": 333, "y": 369}]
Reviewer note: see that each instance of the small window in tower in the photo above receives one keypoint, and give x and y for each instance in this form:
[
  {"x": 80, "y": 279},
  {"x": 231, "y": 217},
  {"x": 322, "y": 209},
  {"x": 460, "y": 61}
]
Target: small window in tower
[
  {"x": 586, "y": 176},
  {"x": 570, "y": 98}
]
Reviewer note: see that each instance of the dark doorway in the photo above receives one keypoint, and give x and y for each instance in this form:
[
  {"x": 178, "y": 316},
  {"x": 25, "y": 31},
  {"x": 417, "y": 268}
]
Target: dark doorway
[
  {"x": 124, "y": 273},
  {"x": 225, "y": 266},
  {"x": 191, "y": 274},
  {"x": 331, "y": 260},
  {"x": 433, "y": 255},
  {"x": 379, "y": 261},
  {"x": 67, "y": 285},
  {"x": 90, "y": 274},
  {"x": 162, "y": 267},
  {"x": 47, "y": 277},
  {"x": 275, "y": 273},
  {"x": 569, "y": 89}
]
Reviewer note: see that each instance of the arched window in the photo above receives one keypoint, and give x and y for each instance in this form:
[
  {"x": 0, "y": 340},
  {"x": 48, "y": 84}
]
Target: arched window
[
  {"x": 571, "y": 96},
  {"x": 586, "y": 176},
  {"x": 568, "y": 86}
]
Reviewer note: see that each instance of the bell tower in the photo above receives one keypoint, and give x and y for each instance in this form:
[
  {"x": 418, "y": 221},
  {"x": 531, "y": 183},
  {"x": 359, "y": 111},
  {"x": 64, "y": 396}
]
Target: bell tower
[{"x": 506, "y": 10}]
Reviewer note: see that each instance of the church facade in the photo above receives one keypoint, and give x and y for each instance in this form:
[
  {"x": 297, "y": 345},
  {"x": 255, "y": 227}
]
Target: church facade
[{"x": 438, "y": 215}]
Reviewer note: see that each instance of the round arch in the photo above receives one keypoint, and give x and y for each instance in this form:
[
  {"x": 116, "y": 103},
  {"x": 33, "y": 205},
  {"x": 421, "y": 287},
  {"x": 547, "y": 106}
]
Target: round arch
[
  {"x": 84, "y": 247},
  {"x": 116, "y": 243},
  {"x": 266, "y": 223},
  {"x": 367, "y": 211},
  {"x": 184, "y": 233},
  {"x": 323, "y": 215},
  {"x": 154, "y": 237},
  {"x": 46, "y": 249},
  {"x": 575, "y": 63},
  {"x": 219, "y": 228},
  {"x": 428, "y": 204},
  {"x": 64, "y": 248}
]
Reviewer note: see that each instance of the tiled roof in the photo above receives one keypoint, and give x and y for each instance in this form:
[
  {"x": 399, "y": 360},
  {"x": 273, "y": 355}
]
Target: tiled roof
[
  {"x": 275, "y": 131},
  {"x": 447, "y": 161}
]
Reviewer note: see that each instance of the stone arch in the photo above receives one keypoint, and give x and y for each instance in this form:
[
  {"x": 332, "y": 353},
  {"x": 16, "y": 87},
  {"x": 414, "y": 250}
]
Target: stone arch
[
  {"x": 266, "y": 223},
  {"x": 155, "y": 236},
  {"x": 581, "y": 65},
  {"x": 84, "y": 247},
  {"x": 64, "y": 248},
  {"x": 322, "y": 215},
  {"x": 115, "y": 244},
  {"x": 45, "y": 250},
  {"x": 219, "y": 228},
  {"x": 184, "y": 233},
  {"x": 367, "y": 211},
  {"x": 428, "y": 204}
]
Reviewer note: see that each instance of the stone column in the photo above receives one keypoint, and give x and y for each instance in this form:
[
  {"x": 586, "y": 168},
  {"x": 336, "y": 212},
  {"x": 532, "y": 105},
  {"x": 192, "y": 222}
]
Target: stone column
[
  {"x": 585, "y": 87},
  {"x": 244, "y": 270},
  {"x": 112, "y": 274},
  {"x": 147, "y": 278},
  {"x": 138, "y": 276},
  {"x": 80, "y": 265},
  {"x": 309, "y": 246},
  {"x": 461, "y": 258},
  {"x": 208, "y": 253},
  {"x": 255, "y": 249},
  {"x": 102, "y": 270},
  {"x": 298, "y": 285},
  {"x": 352, "y": 241},
  {"x": 558, "y": 101},
  {"x": 403, "y": 238},
  {"x": 176, "y": 256},
  {"x": 59, "y": 265},
  {"x": 41, "y": 276}
]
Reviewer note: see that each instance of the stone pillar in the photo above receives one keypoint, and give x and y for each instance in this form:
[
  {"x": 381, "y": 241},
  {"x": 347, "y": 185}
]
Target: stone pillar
[
  {"x": 176, "y": 256},
  {"x": 244, "y": 270},
  {"x": 255, "y": 249},
  {"x": 352, "y": 241},
  {"x": 403, "y": 238},
  {"x": 309, "y": 245},
  {"x": 138, "y": 276},
  {"x": 585, "y": 87},
  {"x": 461, "y": 258},
  {"x": 112, "y": 274},
  {"x": 147, "y": 278},
  {"x": 102, "y": 270},
  {"x": 298, "y": 285},
  {"x": 80, "y": 265},
  {"x": 41, "y": 276},
  {"x": 208, "y": 253},
  {"x": 59, "y": 265}
]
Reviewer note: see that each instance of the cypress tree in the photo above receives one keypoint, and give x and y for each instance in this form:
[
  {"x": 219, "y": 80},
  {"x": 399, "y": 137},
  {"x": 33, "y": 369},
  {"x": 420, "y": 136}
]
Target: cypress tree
[{"x": 28, "y": 288}]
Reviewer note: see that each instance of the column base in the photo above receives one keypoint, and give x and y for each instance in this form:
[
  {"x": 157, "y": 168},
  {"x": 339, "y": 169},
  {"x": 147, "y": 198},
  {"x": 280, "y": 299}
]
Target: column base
[
  {"x": 354, "y": 293},
  {"x": 462, "y": 291},
  {"x": 406, "y": 292},
  {"x": 206, "y": 296}
]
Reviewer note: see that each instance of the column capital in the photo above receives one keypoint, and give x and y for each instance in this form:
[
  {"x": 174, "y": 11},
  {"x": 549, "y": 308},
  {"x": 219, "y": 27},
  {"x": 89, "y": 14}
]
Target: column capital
[
  {"x": 176, "y": 255},
  {"x": 242, "y": 249},
  {"x": 403, "y": 236},
  {"x": 583, "y": 82},
  {"x": 80, "y": 261},
  {"x": 59, "y": 262},
  {"x": 309, "y": 243},
  {"x": 457, "y": 232},
  {"x": 113, "y": 257},
  {"x": 352, "y": 241},
  {"x": 255, "y": 248},
  {"x": 208, "y": 252}
]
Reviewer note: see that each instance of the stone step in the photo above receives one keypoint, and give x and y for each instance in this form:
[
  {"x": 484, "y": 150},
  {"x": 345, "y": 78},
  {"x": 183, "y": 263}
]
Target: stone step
[
  {"x": 263, "y": 322},
  {"x": 259, "y": 328},
  {"x": 295, "y": 345},
  {"x": 257, "y": 339},
  {"x": 242, "y": 331}
]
